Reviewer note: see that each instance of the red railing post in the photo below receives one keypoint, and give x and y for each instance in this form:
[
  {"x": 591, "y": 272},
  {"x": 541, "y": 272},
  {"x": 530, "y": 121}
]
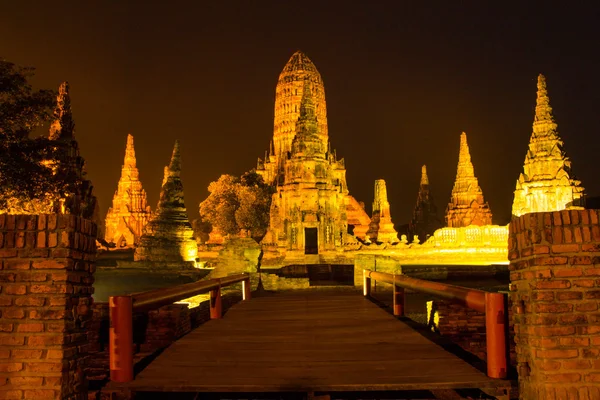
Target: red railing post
[
  {"x": 246, "y": 289},
  {"x": 215, "y": 303},
  {"x": 495, "y": 328},
  {"x": 121, "y": 338},
  {"x": 366, "y": 283},
  {"x": 398, "y": 301}
]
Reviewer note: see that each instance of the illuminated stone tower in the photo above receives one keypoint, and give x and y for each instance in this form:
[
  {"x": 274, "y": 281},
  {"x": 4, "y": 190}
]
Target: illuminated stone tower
[
  {"x": 130, "y": 212},
  {"x": 308, "y": 212},
  {"x": 546, "y": 183},
  {"x": 169, "y": 236},
  {"x": 288, "y": 97},
  {"x": 381, "y": 228},
  {"x": 467, "y": 206},
  {"x": 425, "y": 219}
]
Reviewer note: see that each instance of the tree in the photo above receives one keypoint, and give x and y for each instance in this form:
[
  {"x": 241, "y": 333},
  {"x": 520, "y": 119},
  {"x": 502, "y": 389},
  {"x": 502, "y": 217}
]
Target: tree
[
  {"x": 237, "y": 204},
  {"x": 43, "y": 174}
]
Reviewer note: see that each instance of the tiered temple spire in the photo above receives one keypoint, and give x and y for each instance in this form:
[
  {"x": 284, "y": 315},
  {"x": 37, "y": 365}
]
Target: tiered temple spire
[
  {"x": 62, "y": 126},
  {"x": 546, "y": 183},
  {"x": 425, "y": 218},
  {"x": 168, "y": 237},
  {"x": 381, "y": 228},
  {"x": 130, "y": 212},
  {"x": 467, "y": 206}
]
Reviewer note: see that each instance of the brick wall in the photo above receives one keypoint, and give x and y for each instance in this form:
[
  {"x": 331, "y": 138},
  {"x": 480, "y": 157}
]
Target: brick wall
[
  {"x": 555, "y": 292},
  {"x": 47, "y": 272},
  {"x": 464, "y": 326}
]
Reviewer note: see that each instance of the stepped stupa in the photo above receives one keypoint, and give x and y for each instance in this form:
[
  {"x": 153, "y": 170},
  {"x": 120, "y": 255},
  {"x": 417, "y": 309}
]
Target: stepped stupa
[
  {"x": 381, "y": 229},
  {"x": 546, "y": 183},
  {"x": 425, "y": 218},
  {"x": 130, "y": 212},
  {"x": 169, "y": 238},
  {"x": 466, "y": 206}
]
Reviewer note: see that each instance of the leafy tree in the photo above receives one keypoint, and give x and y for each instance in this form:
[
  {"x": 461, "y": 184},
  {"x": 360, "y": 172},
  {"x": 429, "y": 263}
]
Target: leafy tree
[
  {"x": 237, "y": 204},
  {"x": 43, "y": 174}
]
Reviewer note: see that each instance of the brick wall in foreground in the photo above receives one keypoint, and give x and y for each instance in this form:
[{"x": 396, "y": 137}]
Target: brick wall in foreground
[
  {"x": 46, "y": 276},
  {"x": 555, "y": 292}
]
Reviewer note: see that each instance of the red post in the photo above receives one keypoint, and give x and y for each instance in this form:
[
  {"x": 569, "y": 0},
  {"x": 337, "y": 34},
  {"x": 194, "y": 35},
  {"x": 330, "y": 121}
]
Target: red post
[
  {"x": 121, "y": 338},
  {"x": 246, "y": 289},
  {"x": 366, "y": 284},
  {"x": 495, "y": 328},
  {"x": 398, "y": 301},
  {"x": 215, "y": 303}
]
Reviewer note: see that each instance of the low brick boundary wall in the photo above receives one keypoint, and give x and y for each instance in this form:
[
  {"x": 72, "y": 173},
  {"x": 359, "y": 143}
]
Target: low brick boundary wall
[
  {"x": 45, "y": 304},
  {"x": 464, "y": 327},
  {"x": 555, "y": 293}
]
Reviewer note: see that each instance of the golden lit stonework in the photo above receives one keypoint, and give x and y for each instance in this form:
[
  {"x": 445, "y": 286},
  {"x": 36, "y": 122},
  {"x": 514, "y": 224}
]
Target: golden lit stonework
[
  {"x": 381, "y": 229},
  {"x": 169, "y": 237},
  {"x": 288, "y": 96},
  {"x": 546, "y": 183},
  {"x": 308, "y": 211},
  {"x": 130, "y": 212},
  {"x": 311, "y": 210},
  {"x": 467, "y": 206}
]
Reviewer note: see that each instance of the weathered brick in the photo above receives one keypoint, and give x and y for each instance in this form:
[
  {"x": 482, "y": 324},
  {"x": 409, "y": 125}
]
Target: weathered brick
[
  {"x": 573, "y": 319},
  {"x": 11, "y": 394},
  {"x": 16, "y": 264},
  {"x": 556, "y": 353},
  {"x": 45, "y": 366},
  {"x": 569, "y": 295},
  {"x": 585, "y": 283},
  {"x": 553, "y": 308},
  {"x": 574, "y": 341},
  {"x": 30, "y": 327},
  {"x": 11, "y": 366},
  {"x": 567, "y": 272},
  {"x": 40, "y": 394},
  {"x": 564, "y": 377},
  {"x": 576, "y": 364},
  {"x": 22, "y": 381},
  {"x": 554, "y": 284},
  {"x": 27, "y": 354},
  {"x": 565, "y": 248},
  {"x": 15, "y": 313},
  {"x": 30, "y": 301},
  {"x": 15, "y": 289}
]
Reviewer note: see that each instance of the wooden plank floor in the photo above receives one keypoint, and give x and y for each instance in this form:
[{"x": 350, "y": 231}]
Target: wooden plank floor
[{"x": 309, "y": 341}]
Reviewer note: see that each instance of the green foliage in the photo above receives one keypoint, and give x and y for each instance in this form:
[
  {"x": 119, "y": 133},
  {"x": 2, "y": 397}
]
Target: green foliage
[{"x": 237, "y": 204}]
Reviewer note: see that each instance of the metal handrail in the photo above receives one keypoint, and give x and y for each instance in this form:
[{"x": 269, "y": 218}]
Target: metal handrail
[
  {"x": 121, "y": 310},
  {"x": 492, "y": 304}
]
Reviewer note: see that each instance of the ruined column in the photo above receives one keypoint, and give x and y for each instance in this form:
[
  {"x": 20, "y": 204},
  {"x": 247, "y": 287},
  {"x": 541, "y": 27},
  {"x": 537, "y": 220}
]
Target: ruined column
[
  {"x": 555, "y": 293},
  {"x": 47, "y": 272}
]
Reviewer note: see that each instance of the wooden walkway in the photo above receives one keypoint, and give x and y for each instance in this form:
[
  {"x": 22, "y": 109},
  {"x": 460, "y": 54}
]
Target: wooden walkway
[{"x": 305, "y": 342}]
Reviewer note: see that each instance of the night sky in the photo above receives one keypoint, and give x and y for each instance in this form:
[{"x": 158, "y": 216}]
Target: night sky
[{"x": 402, "y": 81}]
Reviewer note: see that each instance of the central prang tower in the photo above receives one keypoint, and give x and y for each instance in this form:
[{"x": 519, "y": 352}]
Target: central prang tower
[
  {"x": 288, "y": 97},
  {"x": 311, "y": 210}
]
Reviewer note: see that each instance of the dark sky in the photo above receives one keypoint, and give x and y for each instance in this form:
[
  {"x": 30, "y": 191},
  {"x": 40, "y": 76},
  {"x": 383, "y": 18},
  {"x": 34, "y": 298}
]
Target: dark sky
[{"x": 402, "y": 81}]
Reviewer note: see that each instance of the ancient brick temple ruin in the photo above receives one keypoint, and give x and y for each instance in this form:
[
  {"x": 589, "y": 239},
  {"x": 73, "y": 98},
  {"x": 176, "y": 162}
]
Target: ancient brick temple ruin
[
  {"x": 546, "y": 183},
  {"x": 130, "y": 212},
  {"x": 381, "y": 229},
  {"x": 311, "y": 209},
  {"x": 467, "y": 206},
  {"x": 169, "y": 238},
  {"x": 425, "y": 218}
]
